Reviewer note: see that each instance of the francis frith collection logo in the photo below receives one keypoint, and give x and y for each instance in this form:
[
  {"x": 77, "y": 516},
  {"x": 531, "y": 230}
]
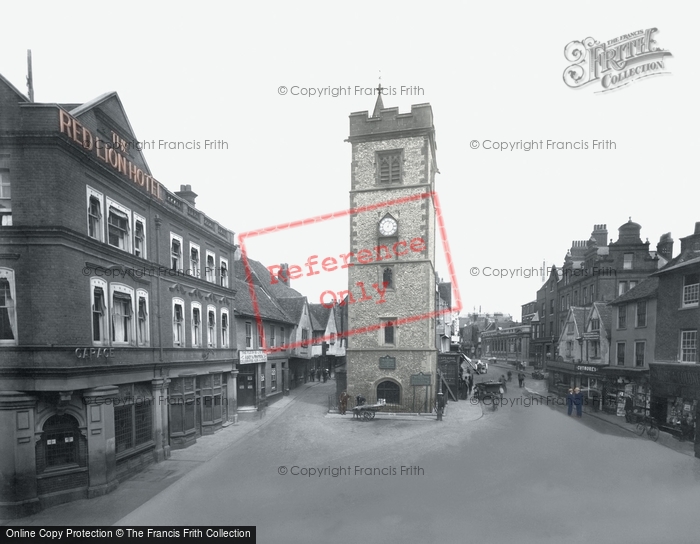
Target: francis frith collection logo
[{"x": 616, "y": 62}]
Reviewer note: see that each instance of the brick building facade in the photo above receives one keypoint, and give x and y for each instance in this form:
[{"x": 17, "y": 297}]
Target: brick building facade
[
  {"x": 393, "y": 158},
  {"x": 116, "y": 307}
]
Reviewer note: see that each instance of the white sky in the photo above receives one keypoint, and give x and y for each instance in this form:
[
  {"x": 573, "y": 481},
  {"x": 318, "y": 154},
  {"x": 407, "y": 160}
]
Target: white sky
[{"x": 490, "y": 70}]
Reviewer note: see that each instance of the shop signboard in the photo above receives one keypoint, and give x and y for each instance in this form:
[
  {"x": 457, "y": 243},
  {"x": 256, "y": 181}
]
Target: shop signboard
[{"x": 250, "y": 357}]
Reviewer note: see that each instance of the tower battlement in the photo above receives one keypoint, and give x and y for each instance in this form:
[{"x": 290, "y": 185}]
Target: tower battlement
[{"x": 389, "y": 120}]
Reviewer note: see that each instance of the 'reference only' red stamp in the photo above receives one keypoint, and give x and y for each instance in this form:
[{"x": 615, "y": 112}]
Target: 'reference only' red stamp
[{"x": 316, "y": 264}]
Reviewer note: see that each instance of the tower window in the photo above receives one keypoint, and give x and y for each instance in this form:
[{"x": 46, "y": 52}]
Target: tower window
[
  {"x": 388, "y": 278},
  {"x": 390, "y": 167},
  {"x": 388, "y": 332}
]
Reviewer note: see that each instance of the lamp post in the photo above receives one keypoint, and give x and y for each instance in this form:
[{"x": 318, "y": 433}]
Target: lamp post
[{"x": 440, "y": 398}]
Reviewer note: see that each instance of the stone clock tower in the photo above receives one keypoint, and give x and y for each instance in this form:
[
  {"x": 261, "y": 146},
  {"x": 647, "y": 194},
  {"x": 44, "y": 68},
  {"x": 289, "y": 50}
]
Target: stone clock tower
[{"x": 392, "y": 282}]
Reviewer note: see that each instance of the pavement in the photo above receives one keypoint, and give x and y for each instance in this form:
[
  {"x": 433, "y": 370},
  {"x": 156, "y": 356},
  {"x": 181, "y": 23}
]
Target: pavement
[
  {"x": 140, "y": 488},
  {"x": 539, "y": 388},
  {"x": 145, "y": 485}
]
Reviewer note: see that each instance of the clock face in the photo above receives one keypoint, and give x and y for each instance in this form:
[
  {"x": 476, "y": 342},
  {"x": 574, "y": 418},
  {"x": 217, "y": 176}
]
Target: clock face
[{"x": 388, "y": 226}]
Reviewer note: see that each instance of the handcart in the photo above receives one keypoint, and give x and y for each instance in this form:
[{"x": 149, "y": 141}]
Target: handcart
[{"x": 367, "y": 411}]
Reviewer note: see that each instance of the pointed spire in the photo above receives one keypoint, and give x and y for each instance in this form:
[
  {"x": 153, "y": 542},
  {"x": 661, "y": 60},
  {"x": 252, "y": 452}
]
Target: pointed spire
[{"x": 379, "y": 105}]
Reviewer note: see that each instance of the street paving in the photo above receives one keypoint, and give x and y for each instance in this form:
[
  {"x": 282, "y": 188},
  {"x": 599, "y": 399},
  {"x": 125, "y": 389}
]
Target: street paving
[{"x": 523, "y": 473}]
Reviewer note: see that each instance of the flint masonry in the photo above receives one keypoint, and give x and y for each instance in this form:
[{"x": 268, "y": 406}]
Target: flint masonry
[{"x": 393, "y": 172}]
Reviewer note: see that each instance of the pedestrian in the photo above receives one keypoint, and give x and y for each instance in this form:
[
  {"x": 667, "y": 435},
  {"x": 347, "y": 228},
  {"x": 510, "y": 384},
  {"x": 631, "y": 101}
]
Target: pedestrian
[
  {"x": 325, "y": 375},
  {"x": 570, "y": 401},
  {"x": 629, "y": 408},
  {"x": 471, "y": 383},
  {"x": 503, "y": 383},
  {"x": 318, "y": 374},
  {"x": 521, "y": 379},
  {"x": 578, "y": 402},
  {"x": 311, "y": 374},
  {"x": 343, "y": 404}
]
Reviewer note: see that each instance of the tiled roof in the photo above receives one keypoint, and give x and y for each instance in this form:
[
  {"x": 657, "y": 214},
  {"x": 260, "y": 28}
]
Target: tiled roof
[
  {"x": 688, "y": 258},
  {"x": 319, "y": 316},
  {"x": 645, "y": 289},
  {"x": 277, "y": 289},
  {"x": 267, "y": 307},
  {"x": 579, "y": 318},
  {"x": 293, "y": 307},
  {"x": 605, "y": 312}
]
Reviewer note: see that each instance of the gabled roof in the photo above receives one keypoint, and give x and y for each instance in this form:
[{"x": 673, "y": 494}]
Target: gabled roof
[
  {"x": 14, "y": 89},
  {"x": 293, "y": 307},
  {"x": 319, "y": 316},
  {"x": 267, "y": 306},
  {"x": 578, "y": 315},
  {"x": 276, "y": 288},
  {"x": 645, "y": 289},
  {"x": 604, "y": 311}
]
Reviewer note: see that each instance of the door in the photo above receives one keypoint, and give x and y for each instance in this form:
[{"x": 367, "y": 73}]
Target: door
[{"x": 246, "y": 385}]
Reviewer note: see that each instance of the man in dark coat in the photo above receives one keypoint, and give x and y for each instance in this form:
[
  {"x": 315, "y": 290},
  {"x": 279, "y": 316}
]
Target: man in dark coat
[
  {"x": 578, "y": 402},
  {"x": 343, "y": 404},
  {"x": 521, "y": 378},
  {"x": 629, "y": 408},
  {"x": 570, "y": 401}
]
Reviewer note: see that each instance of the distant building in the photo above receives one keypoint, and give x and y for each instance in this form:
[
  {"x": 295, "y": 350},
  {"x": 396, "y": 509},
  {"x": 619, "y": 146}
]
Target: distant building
[{"x": 507, "y": 345}]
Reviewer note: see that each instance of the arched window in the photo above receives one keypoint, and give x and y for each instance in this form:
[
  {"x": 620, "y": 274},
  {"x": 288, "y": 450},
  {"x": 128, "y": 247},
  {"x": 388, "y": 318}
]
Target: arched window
[
  {"x": 61, "y": 441},
  {"x": 389, "y": 391}
]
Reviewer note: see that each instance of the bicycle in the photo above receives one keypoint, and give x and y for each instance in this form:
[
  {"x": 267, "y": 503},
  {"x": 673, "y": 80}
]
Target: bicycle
[{"x": 648, "y": 425}]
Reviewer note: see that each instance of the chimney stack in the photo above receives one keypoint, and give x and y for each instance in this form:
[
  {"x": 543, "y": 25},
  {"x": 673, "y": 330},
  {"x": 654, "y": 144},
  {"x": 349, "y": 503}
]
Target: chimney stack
[
  {"x": 600, "y": 234},
  {"x": 187, "y": 194},
  {"x": 283, "y": 274},
  {"x": 665, "y": 246}
]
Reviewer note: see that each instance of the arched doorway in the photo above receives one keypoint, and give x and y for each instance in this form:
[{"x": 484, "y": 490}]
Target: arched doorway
[{"x": 390, "y": 391}]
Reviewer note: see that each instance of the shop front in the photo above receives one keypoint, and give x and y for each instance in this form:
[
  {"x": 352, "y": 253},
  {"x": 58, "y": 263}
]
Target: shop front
[
  {"x": 562, "y": 377},
  {"x": 621, "y": 382},
  {"x": 251, "y": 379},
  {"x": 675, "y": 390},
  {"x": 588, "y": 377},
  {"x": 198, "y": 405}
]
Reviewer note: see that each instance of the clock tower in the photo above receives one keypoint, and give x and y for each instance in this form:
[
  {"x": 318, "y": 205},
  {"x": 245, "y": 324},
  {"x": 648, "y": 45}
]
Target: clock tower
[{"x": 392, "y": 351}]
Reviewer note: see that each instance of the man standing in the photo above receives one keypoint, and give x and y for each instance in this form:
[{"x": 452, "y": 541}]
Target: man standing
[
  {"x": 521, "y": 379},
  {"x": 343, "y": 404},
  {"x": 578, "y": 402},
  {"x": 570, "y": 401}
]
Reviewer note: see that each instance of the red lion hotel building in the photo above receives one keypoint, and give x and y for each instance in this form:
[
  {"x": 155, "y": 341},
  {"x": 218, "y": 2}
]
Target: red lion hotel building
[{"x": 115, "y": 306}]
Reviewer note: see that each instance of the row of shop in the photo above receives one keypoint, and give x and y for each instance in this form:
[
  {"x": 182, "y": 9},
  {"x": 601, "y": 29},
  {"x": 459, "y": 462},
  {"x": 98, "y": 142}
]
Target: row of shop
[
  {"x": 262, "y": 378},
  {"x": 668, "y": 392}
]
